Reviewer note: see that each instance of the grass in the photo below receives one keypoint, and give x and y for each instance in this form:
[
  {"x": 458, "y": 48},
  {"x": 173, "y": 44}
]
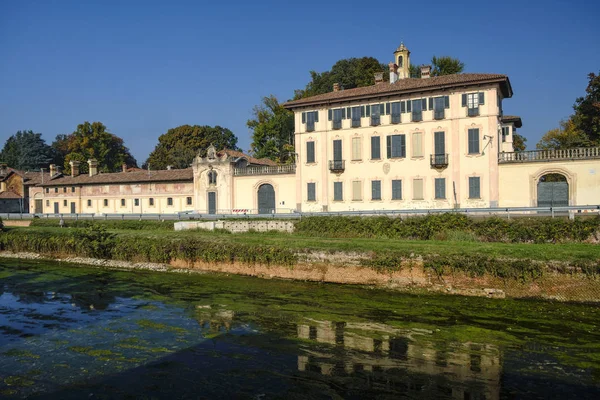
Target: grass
[{"x": 298, "y": 242}]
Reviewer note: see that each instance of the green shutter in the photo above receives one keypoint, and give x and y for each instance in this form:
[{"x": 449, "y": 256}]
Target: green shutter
[
  {"x": 316, "y": 116},
  {"x": 368, "y": 108},
  {"x": 403, "y": 146},
  {"x": 403, "y": 107},
  {"x": 408, "y": 106},
  {"x": 381, "y": 109},
  {"x": 481, "y": 98},
  {"x": 303, "y": 117},
  {"x": 431, "y": 103},
  {"x": 389, "y": 146},
  {"x": 348, "y": 112},
  {"x": 424, "y": 104},
  {"x": 363, "y": 113},
  {"x": 464, "y": 100},
  {"x": 329, "y": 114},
  {"x": 343, "y": 113},
  {"x": 446, "y": 101},
  {"x": 387, "y": 108}
]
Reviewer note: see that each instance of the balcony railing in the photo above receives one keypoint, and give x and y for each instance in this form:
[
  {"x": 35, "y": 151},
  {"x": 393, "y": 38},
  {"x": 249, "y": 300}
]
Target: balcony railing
[
  {"x": 439, "y": 160},
  {"x": 395, "y": 118},
  {"x": 417, "y": 116},
  {"x": 581, "y": 153},
  {"x": 439, "y": 114},
  {"x": 337, "y": 124},
  {"x": 473, "y": 112},
  {"x": 266, "y": 170},
  {"x": 355, "y": 122},
  {"x": 337, "y": 165},
  {"x": 375, "y": 120}
]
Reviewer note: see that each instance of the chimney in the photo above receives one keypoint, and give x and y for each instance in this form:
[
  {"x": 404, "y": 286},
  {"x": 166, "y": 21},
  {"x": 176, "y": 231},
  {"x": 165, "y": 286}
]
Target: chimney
[
  {"x": 393, "y": 72},
  {"x": 124, "y": 166},
  {"x": 93, "y": 166},
  {"x": 336, "y": 87},
  {"x": 52, "y": 170},
  {"x": 378, "y": 78},
  {"x": 74, "y": 168},
  {"x": 425, "y": 71}
]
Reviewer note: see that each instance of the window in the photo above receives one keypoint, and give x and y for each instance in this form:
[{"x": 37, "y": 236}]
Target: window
[
  {"x": 356, "y": 190},
  {"x": 356, "y": 116},
  {"x": 438, "y": 105},
  {"x": 151, "y": 202},
  {"x": 356, "y": 153},
  {"x": 64, "y": 203},
  {"x": 396, "y": 189},
  {"x": 505, "y": 133},
  {"x": 395, "y": 112},
  {"x": 309, "y": 118},
  {"x": 474, "y": 188},
  {"x": 47, "y": 203},
  {"x": 417, "y": 144},
  {"x": 337, "y": 191},
  {"x": 72, "y": 189},
  {"x": 310, "y": 152},
  {"x": 65, "y": 189},
  {"x": 375, "y": 190},
  {"x": 418, "y": 189},
  {"x": 474, "y": 141},
  {"x": 122, "y": 202},
  {"x": 188, "y": 201},
  {"x": 55, "y": 190},
  {"x": 89, "y": 203},
  {"x": 212, "y": 177},
  {"x": 136, "y": 202},
  {"x": 311, "y": 191},
  {"x": 440, "y": 188},
  {"x": 375, "y": 148},
  {"x": 472, "y": 101},
  {"x": 337, "y": 115},
  {"x": 396, "y": 146},
  {"x": 105, "y": 202},
  {"x": 169, "y": 201},
  {"x": 376, "y": 111},
  {"x": 417, "y": 107},
  {"x": 47, "y": 190}
]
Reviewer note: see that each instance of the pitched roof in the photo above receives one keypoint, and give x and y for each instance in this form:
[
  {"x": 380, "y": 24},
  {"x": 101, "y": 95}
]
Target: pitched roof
[
  {"x": 174, "y": 175},
  {"x": 514, "y": 119},
  {"x": 9, "y": 195},
  {"x": 405, "y": 86},
  {"x": 251, "y": 160}
]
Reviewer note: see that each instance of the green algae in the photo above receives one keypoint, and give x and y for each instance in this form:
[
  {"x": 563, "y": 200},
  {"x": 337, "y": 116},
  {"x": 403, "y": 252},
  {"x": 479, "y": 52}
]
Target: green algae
[
  {"x": 149, "y": 324},
  {"x": 20, "y": 353}
]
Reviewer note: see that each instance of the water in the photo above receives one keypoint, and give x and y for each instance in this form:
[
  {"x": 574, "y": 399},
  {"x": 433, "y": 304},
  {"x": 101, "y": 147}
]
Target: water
[{"x": 69, "y": 332}]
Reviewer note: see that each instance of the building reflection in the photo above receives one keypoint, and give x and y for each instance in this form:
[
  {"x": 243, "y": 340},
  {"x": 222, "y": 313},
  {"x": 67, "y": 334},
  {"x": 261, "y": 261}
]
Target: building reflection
[{"x": 407, "y": 361}]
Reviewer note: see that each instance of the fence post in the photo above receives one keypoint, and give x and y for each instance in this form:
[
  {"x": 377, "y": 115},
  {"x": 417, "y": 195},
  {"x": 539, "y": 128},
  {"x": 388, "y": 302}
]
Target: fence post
[{"x": 552, "y": 211}]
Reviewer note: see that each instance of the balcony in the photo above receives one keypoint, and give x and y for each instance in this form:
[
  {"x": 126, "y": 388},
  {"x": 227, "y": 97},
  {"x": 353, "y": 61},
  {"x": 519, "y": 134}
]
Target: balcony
[
  {"x": 355, "y": 122},
  {"x": 439, "y": 160},
  {"x": 439, "y": 114},
  {"x": 473, "y": 112},
  {"x": 337, "y": 124},
  {"x": 581, "y": 153},
  {"x": 266, "y": 170},
  {"x": 375, "y": 120},
  {"x": 417, "y": 116},
  {"x": 337, "y": 165}
]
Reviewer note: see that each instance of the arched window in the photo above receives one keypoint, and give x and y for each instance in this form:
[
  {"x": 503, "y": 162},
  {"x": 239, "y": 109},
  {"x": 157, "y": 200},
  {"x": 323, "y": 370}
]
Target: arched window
[
  {"x": 400, "y": 61},
  {"x": 212, "y": 177}
]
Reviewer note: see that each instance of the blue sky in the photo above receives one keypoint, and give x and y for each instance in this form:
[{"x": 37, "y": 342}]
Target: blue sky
[{"x": 142, "y": 67}]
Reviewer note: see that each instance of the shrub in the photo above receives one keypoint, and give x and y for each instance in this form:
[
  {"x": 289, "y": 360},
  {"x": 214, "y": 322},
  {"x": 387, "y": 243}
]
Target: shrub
[
  {"x": 1, "y": 225},
  {"x": 108, "y": 224}
]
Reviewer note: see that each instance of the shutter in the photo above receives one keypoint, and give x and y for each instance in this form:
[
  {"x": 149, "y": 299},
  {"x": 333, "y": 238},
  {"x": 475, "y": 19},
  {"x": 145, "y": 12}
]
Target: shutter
[
  {"x": 362, "y": 112},
  {"x": 408, "y": 106},
  {"x": 303, "y": 117},
  {"x": 368, "y": 108},
  {"x": 387, "y": 108},
  {"x": 464, "y": 100},
  {"x": 381, "y": 109},
  {"x": 316, "y": 116},
  {"x": 424, "y": 104},
  {"x": 431, "y": 103},
  {"x": 343, "y": 113},
  {"x": 348, "y": 112},
  {"x": 389, "y": 146},
  {"x": 481, "y": 98},
  {"x": 402, "y": 146},
  {"x": 446, "y": 101},
  {"x": 402, "y": 106},
  {"x": 329, "y": 114}
]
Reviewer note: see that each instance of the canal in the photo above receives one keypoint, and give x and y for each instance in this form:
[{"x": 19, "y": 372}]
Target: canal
[{"x": 72, "y": 332}]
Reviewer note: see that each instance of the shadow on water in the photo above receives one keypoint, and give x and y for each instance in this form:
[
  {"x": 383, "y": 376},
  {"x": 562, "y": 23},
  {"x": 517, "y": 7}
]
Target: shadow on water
[{"x": 74, "y": 332}]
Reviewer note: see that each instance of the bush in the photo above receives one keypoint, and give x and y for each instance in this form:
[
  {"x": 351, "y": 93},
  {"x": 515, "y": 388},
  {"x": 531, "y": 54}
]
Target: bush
[
  {"x": 108, "y": 224},
  {"x": 1, "y": 225}
]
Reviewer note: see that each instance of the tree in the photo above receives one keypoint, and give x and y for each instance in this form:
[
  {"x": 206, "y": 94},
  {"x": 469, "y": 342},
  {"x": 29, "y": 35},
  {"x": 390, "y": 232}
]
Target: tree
[
  {"x": 446, "y": 65},
  {"x": 26, "y": 150},
  {"x": 519, "y": 142},
  {"x": 567, "y": 136},
  {"x": 178, "y": 147},
  {"x": 91, "y": 140},
  {"x": 272, "y": 131},
  {"x": 587, "y": 110},
  {"x": 349, "y": 73}
]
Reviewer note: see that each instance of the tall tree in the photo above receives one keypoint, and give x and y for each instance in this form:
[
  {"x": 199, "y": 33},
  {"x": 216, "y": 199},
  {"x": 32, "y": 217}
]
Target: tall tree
[
  {"x": 178, "y": 147},
  {"x": 349, "y": 73},
  {"x": 567, "y": 136},
  {"x": 91, "y": 140},
  {"x": 26, "y": 150},
  {"x": 446, "y": 65},
  {"x": 272, "y": 131},
  {"x": 587, "y": 110},
  {"x": 519, "y": 142}
]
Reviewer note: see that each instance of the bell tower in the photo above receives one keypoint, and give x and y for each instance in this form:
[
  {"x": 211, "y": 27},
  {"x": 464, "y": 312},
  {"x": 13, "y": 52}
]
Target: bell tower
[{"x": 402, "y": 60}]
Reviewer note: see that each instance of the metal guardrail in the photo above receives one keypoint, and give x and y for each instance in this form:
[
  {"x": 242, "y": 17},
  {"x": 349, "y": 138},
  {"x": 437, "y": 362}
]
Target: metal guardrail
[{"x": 570, "y": 211}]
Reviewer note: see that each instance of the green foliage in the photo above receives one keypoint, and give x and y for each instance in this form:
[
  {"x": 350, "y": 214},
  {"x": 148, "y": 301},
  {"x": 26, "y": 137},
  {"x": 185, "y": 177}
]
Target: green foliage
[
  {"x": 446, "y": 65},
  {"x": 26, "y": 150},
  {"x": 1, "y": 225},
  {"x": 519, "y": 142},
  {"x": 94, "y": 241},
  {"x": 567, "y": 136},
  {"x": 450, "y": 226},
  {"x": 108, "y": 224},
  {"x": 92, "y": 141},
  {"x": 349, "y": 73},
  {"x": 180, "y": 145},
  {"x": 587, "y": 110},
  {"x": 272, "y": 131}
]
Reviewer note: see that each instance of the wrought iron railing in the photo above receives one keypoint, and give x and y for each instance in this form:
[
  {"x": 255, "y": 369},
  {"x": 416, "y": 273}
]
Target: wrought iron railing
[
  {"x": 337, "y": 124},
  {"x": 439, "y": 114},
  {"x": 581, "y": 153},
  {"x": 396, "y": 118},
  {"x": 439, "y": 160},
  {"x": 266, "y": 170},
  {"x": 473, "y": 112},
  {"x": 337, "y": 165},
  {"x": 375, "y": 120}
]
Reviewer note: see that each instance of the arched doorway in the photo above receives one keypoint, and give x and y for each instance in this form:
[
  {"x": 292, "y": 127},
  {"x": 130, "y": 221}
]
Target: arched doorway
[
  {"x": 266, "y": 199},
  {"x": 553, "y": 190}
]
